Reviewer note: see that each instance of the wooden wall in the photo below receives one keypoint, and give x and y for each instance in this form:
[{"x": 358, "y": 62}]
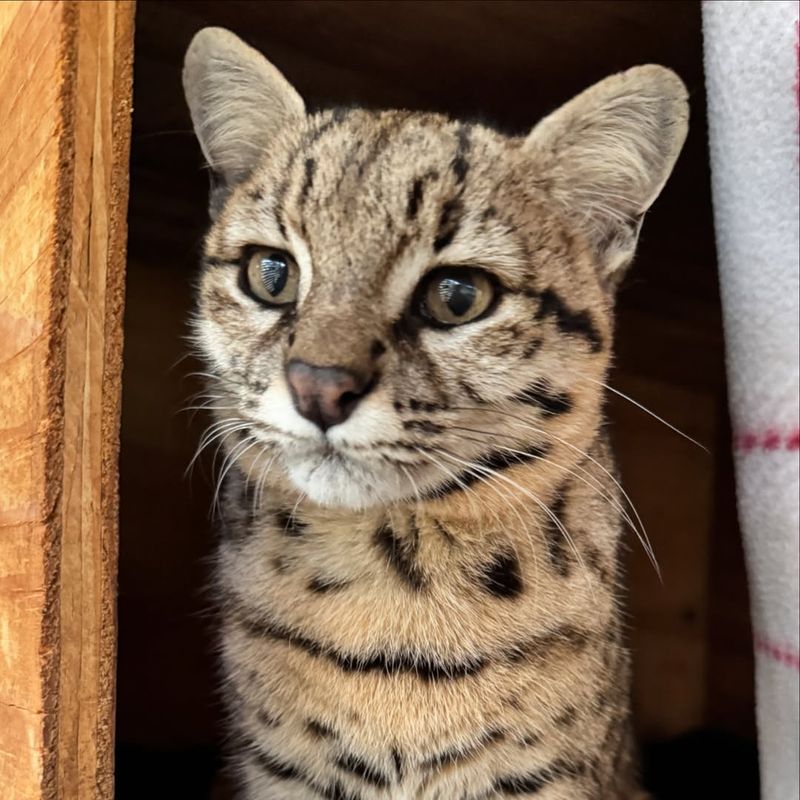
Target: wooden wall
[
  {"x": 505, "y": 62},
  {"x": 65, "y": 72}
]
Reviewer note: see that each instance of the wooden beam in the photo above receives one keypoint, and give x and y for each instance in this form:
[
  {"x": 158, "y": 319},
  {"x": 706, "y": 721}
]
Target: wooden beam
[{"x": 65, "y": 88}]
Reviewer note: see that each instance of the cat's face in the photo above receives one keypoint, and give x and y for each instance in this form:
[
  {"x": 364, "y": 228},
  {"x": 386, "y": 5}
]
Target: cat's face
[{"x": 393, "y": 304}]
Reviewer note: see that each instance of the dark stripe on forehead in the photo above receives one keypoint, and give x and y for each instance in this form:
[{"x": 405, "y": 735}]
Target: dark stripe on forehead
[
  {"x": 449, "y": 222},
  {"x": 416, "y": 193},
  {"x": 308, "y": 182},
  {"x": 309, "y": 138},
  {"x": 414, "y": 199},
  {"x": 460, "y": 163},
  {"x": 382, "y": 141}
]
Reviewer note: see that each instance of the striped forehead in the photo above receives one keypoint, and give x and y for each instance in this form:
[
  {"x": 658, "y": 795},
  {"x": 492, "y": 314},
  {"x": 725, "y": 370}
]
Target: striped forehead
[{"x": 371, "y": 180}]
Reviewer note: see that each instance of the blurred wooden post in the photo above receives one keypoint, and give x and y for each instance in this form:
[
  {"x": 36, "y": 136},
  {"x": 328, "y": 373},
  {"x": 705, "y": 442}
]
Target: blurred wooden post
[{"x": 65, "y": 97}]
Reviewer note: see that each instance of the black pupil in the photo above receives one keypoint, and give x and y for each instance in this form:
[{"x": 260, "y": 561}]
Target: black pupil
[
  {"x": 457, "y": 294},
  {"x": 274, "y": 273}
]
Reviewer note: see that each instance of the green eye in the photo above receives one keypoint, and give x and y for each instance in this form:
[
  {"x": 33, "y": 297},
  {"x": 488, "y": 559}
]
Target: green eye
[
  {"x": 273, "y": 276},
  {"x": 455, "y": 295}
]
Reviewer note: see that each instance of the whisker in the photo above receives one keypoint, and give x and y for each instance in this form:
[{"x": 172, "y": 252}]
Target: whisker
[
  {"x": 643, "y": 538},
  {"x": 596, "y": 486},
  {"x": 557, "y": 522},
  {"x": 651, "y": 413}
]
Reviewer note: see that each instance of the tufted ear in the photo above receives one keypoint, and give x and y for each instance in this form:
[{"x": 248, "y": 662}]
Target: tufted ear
[
  {"x": 608, "y": 152},
  {"x": 238, "y": 101}
]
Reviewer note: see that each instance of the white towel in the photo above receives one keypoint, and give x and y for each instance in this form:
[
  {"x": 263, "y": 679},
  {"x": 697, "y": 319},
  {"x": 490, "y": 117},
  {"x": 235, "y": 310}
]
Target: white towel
[{"x": 751, "y": 59}]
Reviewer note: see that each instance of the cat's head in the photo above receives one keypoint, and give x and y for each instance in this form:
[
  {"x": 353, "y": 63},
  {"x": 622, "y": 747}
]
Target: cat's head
[{"x": 395, "y": 304}]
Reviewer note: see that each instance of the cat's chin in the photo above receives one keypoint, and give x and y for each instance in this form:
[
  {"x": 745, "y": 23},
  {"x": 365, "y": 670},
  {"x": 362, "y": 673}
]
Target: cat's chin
[{"x": 340, "y": 482}]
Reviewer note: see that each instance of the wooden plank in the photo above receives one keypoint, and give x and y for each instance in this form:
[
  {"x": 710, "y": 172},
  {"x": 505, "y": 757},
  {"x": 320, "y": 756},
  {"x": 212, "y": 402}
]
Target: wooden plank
[{"x": 65, "y": 101}]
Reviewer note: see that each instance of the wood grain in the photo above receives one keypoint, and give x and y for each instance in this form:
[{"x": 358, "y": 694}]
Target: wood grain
[{"x": 65, "y": 102}]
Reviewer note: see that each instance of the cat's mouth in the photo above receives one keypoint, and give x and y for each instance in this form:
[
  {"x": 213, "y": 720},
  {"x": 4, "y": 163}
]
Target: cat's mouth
[{"x": 337, "y": 476}]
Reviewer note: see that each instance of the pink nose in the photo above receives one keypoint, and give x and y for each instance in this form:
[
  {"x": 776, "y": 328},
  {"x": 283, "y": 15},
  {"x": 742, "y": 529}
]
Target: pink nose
[{"x": 325, "y": 395}]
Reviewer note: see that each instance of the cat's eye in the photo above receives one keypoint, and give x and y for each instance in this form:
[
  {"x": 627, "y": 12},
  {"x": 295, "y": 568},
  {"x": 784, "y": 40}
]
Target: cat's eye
[
  {"x": 272, "y": 276},
  {"x": 455, "y": 295}
]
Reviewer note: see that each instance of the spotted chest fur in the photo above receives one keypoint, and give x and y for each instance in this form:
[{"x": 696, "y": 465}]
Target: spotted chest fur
[{"x": 407, "y": 323}]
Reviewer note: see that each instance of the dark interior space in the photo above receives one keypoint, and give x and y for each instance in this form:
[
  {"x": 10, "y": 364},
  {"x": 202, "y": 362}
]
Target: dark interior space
[{"x": 507, "y": 64}]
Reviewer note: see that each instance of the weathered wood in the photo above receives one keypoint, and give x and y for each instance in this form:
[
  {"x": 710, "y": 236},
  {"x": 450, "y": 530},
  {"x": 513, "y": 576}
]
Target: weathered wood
[{"x": 65, "y": 72}]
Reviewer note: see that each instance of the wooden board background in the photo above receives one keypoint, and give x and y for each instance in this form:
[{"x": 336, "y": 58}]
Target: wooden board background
[
  {"x": 508, "y": 62},
  {"x": 65, "y": 104}
]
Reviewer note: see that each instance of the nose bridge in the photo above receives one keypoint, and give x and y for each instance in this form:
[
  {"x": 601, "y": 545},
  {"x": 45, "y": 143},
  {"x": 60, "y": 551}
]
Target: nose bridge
[{"x": 337, "y": 334}]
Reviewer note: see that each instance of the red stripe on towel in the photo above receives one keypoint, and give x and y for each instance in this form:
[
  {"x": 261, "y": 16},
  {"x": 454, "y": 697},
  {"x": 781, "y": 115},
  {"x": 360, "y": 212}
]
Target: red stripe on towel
[
  {"x": 767, "y": 440},
  {"x": 782, "y": 654}
]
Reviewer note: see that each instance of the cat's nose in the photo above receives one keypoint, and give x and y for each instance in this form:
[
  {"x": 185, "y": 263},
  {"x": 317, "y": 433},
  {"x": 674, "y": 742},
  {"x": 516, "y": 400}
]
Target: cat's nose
[{"x": 326, "y": 396}]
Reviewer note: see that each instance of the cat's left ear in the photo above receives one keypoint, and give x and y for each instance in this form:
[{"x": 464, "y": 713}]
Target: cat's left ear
[
  {"x": 607, "y": 154},
  {"x": 238, "y": 101}
]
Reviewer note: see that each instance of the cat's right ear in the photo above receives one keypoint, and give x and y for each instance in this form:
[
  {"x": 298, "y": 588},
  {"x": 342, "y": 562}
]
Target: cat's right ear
[{"x": 238, "y": 101}]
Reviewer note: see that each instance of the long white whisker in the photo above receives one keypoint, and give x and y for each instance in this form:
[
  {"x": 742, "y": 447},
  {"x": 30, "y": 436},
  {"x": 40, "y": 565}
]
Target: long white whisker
[
  {"x": 471, "y": 466},
  {"x": 651, "y": 413},
  {"x": 642, "y": 536}
]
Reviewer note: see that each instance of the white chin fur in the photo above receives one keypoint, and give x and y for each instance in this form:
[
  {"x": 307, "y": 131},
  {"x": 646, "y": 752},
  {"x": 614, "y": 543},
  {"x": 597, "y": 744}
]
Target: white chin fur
[{"x": 347, "y": 484}]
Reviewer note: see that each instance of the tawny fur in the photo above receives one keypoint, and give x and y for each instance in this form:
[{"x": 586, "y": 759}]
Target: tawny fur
[{"x": 426, "y": 602}]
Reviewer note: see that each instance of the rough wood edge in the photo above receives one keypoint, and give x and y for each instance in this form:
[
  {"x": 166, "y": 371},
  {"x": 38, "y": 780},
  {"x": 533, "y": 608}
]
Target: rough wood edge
[
  {"x": 62, "y": 250},
  {"x": 112, "y": 384},
  {"x": 54, "y": 392}
]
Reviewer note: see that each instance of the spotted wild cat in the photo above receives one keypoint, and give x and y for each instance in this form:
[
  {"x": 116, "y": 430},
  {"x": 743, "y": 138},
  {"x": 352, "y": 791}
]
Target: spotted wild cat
[{"x": 408, "y": 321}]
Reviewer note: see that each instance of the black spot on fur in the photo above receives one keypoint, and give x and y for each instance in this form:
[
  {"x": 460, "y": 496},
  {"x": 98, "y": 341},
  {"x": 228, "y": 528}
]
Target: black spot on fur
[
  {"x": 401, "y": 554},
  {"x": 460, "y": 164},
  {"x": 532, "y": 348},
  {"x": 556, "y": 540},
  {"x": 414, "y": 198},
  {"x": 308, "y": 181},
  {"x": 486, "y": 466},
  {"x": 377, "y": 349},
  {"x": 320, "y": 585},
  {"x": 567, "y": 718},
  {"x": 279, "y": 769},
  {"x": 319, "y": 730},
  {"x": 501, "y": 576},
  {"x": 398, "y": 763},
  {"x": 473, "y": 394},
  {"x": 279, "y": 564},
  {"x": 458, "y": 755},
  {"x": 540, "y": 394},
  {"x": 256, "y": 195},
  {"x": 266, "y": 719},
  {"x": 355, "y": 765},
  {"x": 534, "y": 782},
  {"x": 578, "y": 323},
  {"x": 289, "y": 524},
  {"x": 338, "y": 792},
  {"x": 423, "y": 425}
]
